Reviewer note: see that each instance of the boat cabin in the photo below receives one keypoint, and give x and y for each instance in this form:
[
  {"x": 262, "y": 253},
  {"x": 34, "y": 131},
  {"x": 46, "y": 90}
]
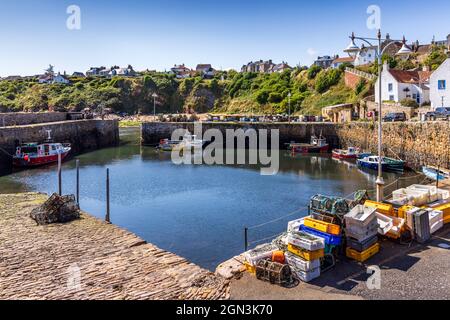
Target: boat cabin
[
  {"x": 40, "y": 149},
  {"x": 319, "y": 142}
]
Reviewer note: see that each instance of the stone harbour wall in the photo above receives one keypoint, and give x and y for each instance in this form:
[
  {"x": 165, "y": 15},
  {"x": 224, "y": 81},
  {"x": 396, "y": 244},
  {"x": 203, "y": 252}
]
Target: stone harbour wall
[
  {"x": 25, "y": 118},
  {"x": 418, "y": 143},
  {"x": 84, "y": 135}
]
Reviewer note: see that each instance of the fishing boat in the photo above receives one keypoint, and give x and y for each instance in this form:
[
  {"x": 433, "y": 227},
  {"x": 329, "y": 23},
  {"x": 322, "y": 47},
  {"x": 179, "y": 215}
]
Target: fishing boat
[
  {"x": 387, "y": 164},
  {"x": 349, "y": 153},
  {"x": 435, "y": 174},
  {"x": 168, "y": 145},
  {"x": 189, "y": 142},
  {"x": 34, "y": 154},
  {"x": 317, "y": 145}
]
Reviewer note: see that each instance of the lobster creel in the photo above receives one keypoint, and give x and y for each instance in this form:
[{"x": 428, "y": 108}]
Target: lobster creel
[{"x": 274, "y": 272}]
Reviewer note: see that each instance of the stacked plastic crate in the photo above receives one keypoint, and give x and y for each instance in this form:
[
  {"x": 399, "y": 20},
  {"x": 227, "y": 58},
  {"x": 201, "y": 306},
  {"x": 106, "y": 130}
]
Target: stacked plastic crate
[
  {"x": 304, "y": 253},
  {"x": 361, "y": 230}
]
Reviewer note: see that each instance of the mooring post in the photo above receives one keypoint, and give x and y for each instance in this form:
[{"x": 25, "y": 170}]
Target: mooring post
[
  {"x": 437, "y": 176},
  {"x": 59, "y": 175},
  {"x": 78, "y": 181},
  {"x": 107, "y": 197},
  {"x": 246, "y": 238}
]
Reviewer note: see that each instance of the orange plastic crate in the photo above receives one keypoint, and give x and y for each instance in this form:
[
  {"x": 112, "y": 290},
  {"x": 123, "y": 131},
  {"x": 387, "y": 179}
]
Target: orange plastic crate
[{"x": 323, "y": 226}]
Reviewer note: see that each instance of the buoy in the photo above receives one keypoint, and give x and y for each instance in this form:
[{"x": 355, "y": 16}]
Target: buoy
[{"x": 26, "y": 158}]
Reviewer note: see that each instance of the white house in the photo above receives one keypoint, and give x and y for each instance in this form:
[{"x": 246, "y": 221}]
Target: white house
[
  {"x": 440, "y": 86},
  {"x": 366, "y": 55},
  {"x": 340, "y": 61},
  {"x": 62, "y": 79},
  {"x": 399, "y": 84}
]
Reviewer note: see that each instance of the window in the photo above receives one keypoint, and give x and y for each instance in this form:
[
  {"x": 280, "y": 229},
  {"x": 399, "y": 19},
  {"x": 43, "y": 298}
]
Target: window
[
  {"x": 442, "y": 85},
  {"x": 390, "y": 87},
  {"x": 414, "y": 96},
  {"x": 391, "y": 98}
]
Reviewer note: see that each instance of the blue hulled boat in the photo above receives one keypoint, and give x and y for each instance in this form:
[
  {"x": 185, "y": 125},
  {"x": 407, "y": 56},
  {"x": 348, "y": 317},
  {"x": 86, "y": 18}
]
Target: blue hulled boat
[
  {"x": 388, "y": 164},
  {"x": 435, "y": 174}
]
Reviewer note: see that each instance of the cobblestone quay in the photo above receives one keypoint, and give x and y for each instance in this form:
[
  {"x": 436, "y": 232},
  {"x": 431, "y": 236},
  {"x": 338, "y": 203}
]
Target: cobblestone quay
[{"x": 90, "y": 259}]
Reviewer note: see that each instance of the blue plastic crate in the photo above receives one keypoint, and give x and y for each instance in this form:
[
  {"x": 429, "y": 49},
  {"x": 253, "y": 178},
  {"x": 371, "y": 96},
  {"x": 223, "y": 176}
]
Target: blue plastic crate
[{"x": 329, "y": 239}]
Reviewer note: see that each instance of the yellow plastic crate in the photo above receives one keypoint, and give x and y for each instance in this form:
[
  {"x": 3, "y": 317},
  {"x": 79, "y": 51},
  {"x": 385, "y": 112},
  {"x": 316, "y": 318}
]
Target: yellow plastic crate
[
  {"x": 445, "y": 208},
  {"x": 383, "y": 208},
  {"x": 251, "y": 269},
  {"x": 323, "y": 226},
  {"x": 403, "y": 210},
  {"x": 365, "y": 255},
  {"x": 305, "y": 254}
]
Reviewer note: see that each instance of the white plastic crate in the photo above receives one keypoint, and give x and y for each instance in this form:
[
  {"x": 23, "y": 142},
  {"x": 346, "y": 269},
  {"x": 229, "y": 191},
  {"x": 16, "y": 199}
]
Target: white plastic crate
[
  {"x": 261, "y": 252},
  {"x": 306, "y": 241},
  {"x": 385, "y": 223},
  {"x": 306, "y": 276},
  {"x": 295, "y": 225},
  {"x": 295, "y": 262},
  {"x": 360, "y": 215}
]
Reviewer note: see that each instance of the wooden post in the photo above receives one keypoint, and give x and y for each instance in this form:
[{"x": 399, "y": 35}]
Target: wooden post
[
  {"x": 59, "y": 175},
  {"x": 107, "y": 198},
  {"x": 78, "y": 181},
  {"x": 246, "y": 238}
]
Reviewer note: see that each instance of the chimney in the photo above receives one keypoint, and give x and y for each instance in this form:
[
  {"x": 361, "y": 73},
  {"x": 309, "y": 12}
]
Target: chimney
[
  {"x": 425, "y": 68},
  {"x": 386, "y": 66}
]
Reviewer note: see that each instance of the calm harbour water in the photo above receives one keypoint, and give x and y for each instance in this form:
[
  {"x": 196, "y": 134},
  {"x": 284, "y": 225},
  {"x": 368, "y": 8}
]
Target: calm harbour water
[{"x": 196, "y": 211}]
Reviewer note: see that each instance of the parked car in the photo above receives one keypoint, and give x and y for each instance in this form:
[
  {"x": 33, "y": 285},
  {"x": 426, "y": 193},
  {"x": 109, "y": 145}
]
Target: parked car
[
  {"x": 394, "y": 117},
  {"x": 439, "y": 113}
]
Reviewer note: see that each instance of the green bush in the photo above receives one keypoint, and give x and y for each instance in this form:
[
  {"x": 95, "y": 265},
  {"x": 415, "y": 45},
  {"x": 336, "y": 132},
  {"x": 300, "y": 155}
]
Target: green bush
[
  {"x": 313, "y": 72},
  {"x": 409, "y": 103}
]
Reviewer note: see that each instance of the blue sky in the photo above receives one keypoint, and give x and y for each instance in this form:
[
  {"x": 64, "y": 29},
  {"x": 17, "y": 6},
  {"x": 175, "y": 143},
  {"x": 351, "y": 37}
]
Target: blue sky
[{"x": 156, "y": 34}]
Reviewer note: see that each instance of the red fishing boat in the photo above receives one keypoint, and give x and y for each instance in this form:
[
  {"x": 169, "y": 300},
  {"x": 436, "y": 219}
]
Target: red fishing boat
[
  {"x": 317, "y": 145},
  {"x": 34, "y": 154},
  {"x": 350, "y": 153}
]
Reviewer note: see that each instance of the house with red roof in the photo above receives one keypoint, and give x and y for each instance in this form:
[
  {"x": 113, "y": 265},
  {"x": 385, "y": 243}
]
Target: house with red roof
[
  {"x": 340, "y": 61},
  {"x": 398, "y": 85}
]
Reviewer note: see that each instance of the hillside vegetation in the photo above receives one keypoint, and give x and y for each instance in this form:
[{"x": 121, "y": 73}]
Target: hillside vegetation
[{"x": 228, "y": 92}]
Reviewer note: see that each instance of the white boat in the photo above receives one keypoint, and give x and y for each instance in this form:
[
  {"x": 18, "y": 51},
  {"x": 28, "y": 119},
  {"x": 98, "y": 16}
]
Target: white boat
[{"x": 435, "y": 174}]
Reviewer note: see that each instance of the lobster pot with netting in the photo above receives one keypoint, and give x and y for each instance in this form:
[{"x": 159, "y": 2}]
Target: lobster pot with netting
[
  {"x": 329, "y": 205},
  {"x": 274, "y": 272}
]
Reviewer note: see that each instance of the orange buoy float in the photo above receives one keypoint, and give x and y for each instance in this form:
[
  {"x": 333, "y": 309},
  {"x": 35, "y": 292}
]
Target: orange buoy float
[{"x": 278, "y": 256}]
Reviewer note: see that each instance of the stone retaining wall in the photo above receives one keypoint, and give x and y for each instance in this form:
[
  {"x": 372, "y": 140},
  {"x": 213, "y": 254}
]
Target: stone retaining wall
[{"x": 25, "y": 118}]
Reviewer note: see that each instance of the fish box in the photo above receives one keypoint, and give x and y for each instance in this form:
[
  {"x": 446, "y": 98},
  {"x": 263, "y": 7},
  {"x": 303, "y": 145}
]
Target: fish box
[
  {"x": 250, "y": 268},
  {"x": 385, "y": 223},
  {"x": 436, "y": 218},
  {"x": 329, "y": 238},
  {"x": 364, "y": 233},
  {"x": 323, "y": 226},
  {"x": 397, "y": 228},
  {"x": 431, "y": 190},
  {"x": 445, "y": 208},
  {"x": 306, "y": 276},
  {"x": 360, "y": 215},
  {"x": 421, "y": 222},
  {"x": 363, "y": 256},
  {"x": 403, "y": 210},
  {"x": 295, "y": 262},
  {"x": 305, "y": 254},
  {"x": 383, "y": 208},
  {"x": 295, "y": 225},
  {"x": 261, "y": 252},
  {"x": 306, "y": 241},
  {"x": 361, "y": 246}
]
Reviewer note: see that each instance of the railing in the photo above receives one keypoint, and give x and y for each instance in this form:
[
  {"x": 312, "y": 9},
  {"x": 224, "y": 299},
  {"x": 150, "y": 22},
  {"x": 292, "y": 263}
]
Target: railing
[{"x": 362, "y": 74}]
